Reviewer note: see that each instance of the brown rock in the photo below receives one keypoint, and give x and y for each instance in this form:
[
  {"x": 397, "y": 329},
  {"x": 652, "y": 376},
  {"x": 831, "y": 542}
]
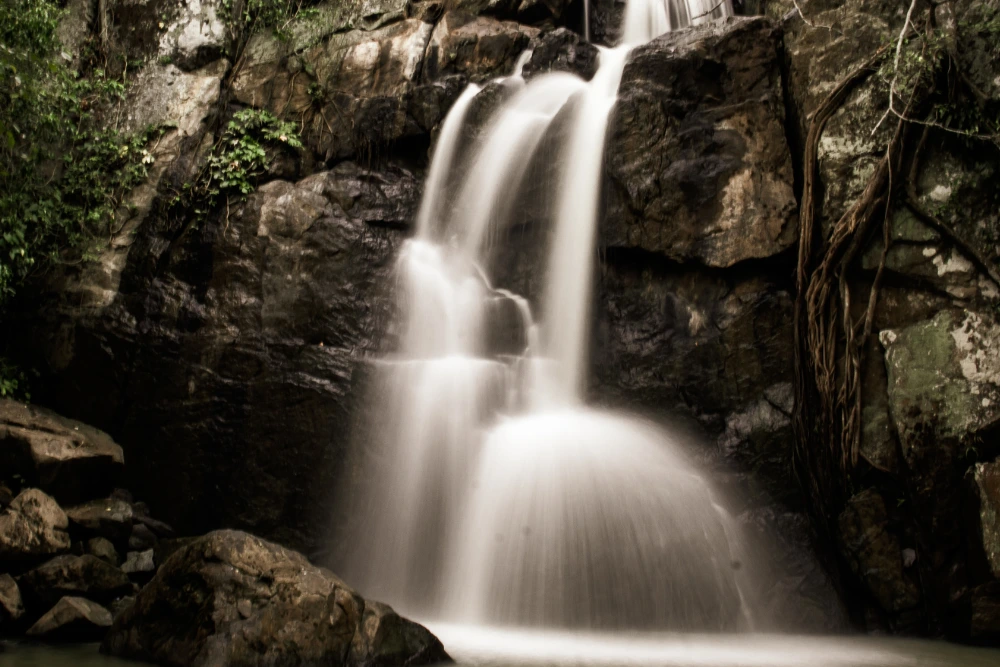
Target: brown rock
[
  {"x": 33, "y": 525},
  {"x": 65, "y": 458},
  {"x": 11, "y": 606},
  {"x": 72, "y": 619},
  {"x": 102, "y": 548},
  {"x": 110, "y": 518},
  {"x": 86, "y": 576},
  {"x": 229, "y": 598}
]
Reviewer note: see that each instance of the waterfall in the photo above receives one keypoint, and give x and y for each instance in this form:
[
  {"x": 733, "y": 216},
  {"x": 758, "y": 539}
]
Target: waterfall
[{"x": 490, "y": 492}]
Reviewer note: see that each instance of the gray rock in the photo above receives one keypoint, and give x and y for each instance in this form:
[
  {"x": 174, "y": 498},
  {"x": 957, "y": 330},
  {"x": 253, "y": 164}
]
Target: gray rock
[
  {"x": 33, "y": 525},
  {"x": 874, "y": 553},
  {"x": 229, "y": 598},
  {"x": 139, "y": 562},
  {"x": 11, "y": 605},
  {"x": 103, "y": 548},
  {"x": 196, "y": 35},
  {"x": 65, "y": 458},
  {"x": 85, "y": 576},
  {"x": 110, "y": 518},
  {"x": 72, "y": 619}
]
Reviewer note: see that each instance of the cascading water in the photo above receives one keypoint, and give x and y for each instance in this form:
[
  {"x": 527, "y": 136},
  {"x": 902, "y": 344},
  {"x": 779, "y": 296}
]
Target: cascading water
[{"x": 496, "y": 496}]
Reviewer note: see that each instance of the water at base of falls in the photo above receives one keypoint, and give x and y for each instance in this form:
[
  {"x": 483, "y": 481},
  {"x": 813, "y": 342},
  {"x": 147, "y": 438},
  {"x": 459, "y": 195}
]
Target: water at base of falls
[{"x": 490, "y": 493}]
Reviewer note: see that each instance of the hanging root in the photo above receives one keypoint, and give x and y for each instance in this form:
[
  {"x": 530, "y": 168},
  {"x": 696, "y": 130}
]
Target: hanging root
[{"x": 814, "y": 363}]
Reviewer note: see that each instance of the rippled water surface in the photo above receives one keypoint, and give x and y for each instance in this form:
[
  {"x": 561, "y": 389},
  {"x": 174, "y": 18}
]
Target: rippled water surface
[{"x": 489, "y": 647}]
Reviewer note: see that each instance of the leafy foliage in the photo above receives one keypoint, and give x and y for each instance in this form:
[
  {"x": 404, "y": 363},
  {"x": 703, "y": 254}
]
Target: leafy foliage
[
  {"x": 239, "y": 160},
  {"x": 250, "y": 16},
  {"x": 62, "y": 176}
]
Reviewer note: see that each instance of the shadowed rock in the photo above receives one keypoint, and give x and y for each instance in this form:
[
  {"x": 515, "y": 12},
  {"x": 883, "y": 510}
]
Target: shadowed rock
[
  {"x": 11, "y": 606},
  {"x": 230, "y": 598},
  {"x": 86, "y": 576},
  {"x": 65, "y": 458}
]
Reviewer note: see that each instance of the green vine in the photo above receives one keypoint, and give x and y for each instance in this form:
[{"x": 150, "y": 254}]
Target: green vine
[{"x": 239, "y": 160}]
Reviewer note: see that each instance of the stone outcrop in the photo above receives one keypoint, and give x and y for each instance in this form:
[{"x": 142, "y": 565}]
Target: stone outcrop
[
  {"x": 72, "y": 619},
  {"x": 229, "y": 598},
  {"x": 698, "y": 163},
  {"x": 65, "y": 458},
  {"x": 32, "y": 526}
]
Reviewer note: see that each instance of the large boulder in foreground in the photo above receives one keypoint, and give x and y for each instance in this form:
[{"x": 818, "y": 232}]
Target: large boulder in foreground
[
  {"x": 65, "y": 458},
  {"x": 230, "y": 598}
]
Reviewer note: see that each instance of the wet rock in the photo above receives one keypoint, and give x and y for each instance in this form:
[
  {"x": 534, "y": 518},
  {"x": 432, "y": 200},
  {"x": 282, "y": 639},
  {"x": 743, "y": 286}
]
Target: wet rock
[
  {"x": 561, "y": 50},
  {"x": 103, "y": 548},
  {"x": 874, "y": 553},
  {"x": 984, "y": 481},
  {"x": 196, "y": 34},
  {"x": 33, "y": 525},
  {"x": 480, "y": 48},
  {"x": 11, "y": 605},
  {"x": 85, "y": 576},
  {"x": 229, "y": 598},
  {"x": 698, "y": 161},
  {"x": 110, "y": 518},
  {"x": 65, "y": 458},
  {"x": 72, "y": 619}
]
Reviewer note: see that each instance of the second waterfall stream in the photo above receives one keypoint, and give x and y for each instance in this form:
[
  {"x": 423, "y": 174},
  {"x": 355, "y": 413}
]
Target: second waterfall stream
[{"x": 491, "y": 494}]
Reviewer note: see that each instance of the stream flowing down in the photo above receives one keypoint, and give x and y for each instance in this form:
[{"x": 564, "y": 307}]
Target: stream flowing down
[{"x": 494, "y": 495}]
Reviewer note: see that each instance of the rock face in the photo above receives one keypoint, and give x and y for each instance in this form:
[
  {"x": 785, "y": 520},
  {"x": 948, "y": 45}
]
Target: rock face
[
  {"x": 72, "y": 619},
  {"x": 32, "y": 526},
  {"x": 707, "y": 174},
  {"x": 65, "y": 458},
  {"x": 233, "y": 599}
]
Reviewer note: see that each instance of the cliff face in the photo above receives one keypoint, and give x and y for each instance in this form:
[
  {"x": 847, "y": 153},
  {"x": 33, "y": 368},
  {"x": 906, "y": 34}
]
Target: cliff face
[{"x": 227, "y": 353}]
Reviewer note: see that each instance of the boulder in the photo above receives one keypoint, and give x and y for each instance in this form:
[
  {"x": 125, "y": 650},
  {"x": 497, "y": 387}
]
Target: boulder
[
  {"x": 230, "y": 598},
  {"x": 480, "y": 48},
  {"x": 65, "y": 458},
  {"x": 33, "y": 525},
  {"x": 72, "y": 619},
  {"x": 698, "y": 162},
  {"x": 102, "y": 548},
  {"x": 110, "y": 518},
  {"x": 85, "y": 576},
  {"x": 11, "y": 606},
  {"x": 561, "y": 50},
  {"x": 874, "y": 553}
]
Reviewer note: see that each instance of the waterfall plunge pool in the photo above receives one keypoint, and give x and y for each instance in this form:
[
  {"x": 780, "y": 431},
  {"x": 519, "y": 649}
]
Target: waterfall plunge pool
[{"x": 479, "y": 646}]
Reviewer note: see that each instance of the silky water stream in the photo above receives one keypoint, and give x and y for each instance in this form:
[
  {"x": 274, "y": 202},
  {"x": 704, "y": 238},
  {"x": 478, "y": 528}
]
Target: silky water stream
[{"x": 495, "y": 506}]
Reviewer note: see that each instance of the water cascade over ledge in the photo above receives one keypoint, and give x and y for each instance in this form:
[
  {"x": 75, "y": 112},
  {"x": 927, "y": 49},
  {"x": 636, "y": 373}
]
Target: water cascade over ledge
[{"x": 491, "y": 493}]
